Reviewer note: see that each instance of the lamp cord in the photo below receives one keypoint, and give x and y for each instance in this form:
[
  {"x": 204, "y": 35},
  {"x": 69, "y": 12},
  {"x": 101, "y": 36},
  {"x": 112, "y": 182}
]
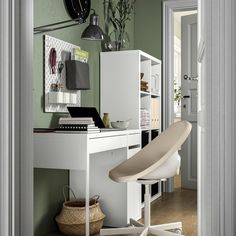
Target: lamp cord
[
  {"x": 82, "y": 10},
  {"x": 81, "y": 6}
]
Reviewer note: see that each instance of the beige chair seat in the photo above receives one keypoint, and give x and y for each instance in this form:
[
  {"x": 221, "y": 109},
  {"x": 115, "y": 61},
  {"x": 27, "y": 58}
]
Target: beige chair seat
[{"x": 154, "y": 155}]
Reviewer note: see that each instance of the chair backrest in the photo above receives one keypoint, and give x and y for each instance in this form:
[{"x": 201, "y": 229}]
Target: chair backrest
[{"x": 152, "y": 155}]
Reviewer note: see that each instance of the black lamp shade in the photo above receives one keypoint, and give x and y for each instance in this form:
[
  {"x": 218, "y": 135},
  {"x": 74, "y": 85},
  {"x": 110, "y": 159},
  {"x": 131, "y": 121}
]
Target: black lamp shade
[{"x": 93, "y": 31}]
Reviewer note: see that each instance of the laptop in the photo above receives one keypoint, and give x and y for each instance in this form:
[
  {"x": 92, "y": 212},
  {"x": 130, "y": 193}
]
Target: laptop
[{"x": 89, "y": 112}]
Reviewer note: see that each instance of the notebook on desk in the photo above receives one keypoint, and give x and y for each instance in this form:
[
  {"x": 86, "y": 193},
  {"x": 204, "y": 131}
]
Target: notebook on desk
[{"x": 90, "y": 112}]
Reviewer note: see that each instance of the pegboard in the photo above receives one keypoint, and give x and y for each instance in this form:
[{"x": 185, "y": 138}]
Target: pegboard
[{"x": 63, "y": 52}]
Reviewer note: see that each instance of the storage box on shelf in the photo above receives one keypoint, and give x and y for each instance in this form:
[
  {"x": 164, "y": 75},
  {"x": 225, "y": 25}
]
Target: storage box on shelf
[{"x": 131, "y": 89}]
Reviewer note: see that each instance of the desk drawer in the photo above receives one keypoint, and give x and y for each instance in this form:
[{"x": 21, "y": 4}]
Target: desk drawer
[
  {"x": 107, "y": 143},
  {"x": 134, "y": 139},
  {"x": 133, "y": 151}
]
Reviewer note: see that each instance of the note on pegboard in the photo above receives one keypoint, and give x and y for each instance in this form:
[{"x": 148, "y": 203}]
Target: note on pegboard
[{"x": 63, "y": 53}]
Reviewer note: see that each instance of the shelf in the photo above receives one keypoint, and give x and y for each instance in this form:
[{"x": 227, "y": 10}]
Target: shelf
[
  {"x": 143, "y": 93},
  {"x": 62, "y": 98},
  {"x": 145, "y": 129},
  {"x": 155, "y": 95},
  {"x": 145, "y": 57},
  {"x": 150, "y": 129},
  {"x": 147, "y": 93}
]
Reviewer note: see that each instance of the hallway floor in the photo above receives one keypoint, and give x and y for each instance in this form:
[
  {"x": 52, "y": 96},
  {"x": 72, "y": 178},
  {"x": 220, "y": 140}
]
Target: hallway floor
[{"x": 180, "y": 205}]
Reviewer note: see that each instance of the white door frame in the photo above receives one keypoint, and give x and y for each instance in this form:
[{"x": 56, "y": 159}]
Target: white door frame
[
  {"x": 6, "y": 199},
  {"x": 169, "y": 7},
  {"x": 216, "y": 118},
  {"x": 16, "y": 117},
  {"x": 216, "y": 115}
]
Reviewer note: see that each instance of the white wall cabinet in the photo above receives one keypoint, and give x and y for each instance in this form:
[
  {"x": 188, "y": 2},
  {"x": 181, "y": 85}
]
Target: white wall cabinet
[{"x": 122, "y": 95}]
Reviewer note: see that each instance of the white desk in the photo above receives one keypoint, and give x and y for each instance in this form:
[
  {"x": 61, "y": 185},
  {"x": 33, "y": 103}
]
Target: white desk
[{"x": 89, "y": 157}]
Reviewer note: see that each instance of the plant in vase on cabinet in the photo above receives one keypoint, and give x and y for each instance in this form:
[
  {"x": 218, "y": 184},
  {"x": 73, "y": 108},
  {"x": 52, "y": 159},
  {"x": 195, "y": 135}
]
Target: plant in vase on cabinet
[{"x": 117, "y": 13}]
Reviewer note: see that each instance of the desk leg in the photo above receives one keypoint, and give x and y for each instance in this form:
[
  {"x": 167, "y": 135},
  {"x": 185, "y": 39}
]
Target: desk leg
[{"x": 87, "y": 198}]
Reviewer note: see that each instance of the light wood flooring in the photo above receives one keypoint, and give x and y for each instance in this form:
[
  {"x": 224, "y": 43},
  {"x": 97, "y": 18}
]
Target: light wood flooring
[{"x": 181, "y": 205}]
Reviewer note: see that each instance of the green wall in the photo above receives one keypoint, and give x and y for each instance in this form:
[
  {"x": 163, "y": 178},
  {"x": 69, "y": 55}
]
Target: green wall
[
  {"x": 48, "y": 198},
  {"x": 46, "y": 12},
  {"x": 48, "y": 183},
  {"x": 148, "y": 27}
]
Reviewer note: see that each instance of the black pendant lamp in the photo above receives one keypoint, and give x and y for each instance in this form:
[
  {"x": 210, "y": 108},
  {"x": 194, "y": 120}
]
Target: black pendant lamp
[{"x": 93, "y": 31}]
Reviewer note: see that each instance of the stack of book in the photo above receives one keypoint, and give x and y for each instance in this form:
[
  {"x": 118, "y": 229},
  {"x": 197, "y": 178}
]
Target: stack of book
[
  {"x": 77, "y": 124},
  {"x": 145, "y": 119}
]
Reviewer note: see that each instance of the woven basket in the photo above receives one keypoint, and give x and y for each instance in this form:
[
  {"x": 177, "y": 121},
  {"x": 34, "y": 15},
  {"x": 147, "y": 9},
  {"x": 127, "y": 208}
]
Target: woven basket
[{"x": 72, "y": 218}]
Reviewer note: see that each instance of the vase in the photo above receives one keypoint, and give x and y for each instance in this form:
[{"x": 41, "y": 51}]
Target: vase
[
  {"x": 107, "y": 44},
  {"x": 119, "y": 40},
  {"x": 106, "y": 120}
]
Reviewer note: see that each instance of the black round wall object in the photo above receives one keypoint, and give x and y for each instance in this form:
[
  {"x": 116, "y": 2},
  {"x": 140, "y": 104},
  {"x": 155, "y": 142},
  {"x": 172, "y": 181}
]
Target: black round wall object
[{"x": 78, "y": 8}]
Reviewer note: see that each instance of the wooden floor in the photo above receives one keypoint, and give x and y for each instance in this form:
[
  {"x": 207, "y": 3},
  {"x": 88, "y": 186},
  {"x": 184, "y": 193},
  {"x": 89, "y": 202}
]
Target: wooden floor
[{"x": 180, "y": 205}]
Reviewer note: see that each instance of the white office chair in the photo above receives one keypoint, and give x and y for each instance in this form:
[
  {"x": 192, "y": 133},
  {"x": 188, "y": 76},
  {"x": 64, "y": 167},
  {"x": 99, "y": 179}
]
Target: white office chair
[{"x": 156, "y": 161}]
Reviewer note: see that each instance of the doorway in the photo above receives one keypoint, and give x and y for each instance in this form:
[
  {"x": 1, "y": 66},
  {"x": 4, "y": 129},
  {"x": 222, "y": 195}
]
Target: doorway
[
  {"x": 169, "y": 10},
  {"x": 185, "y": 92},
  {"x": 177, "y": 102}
]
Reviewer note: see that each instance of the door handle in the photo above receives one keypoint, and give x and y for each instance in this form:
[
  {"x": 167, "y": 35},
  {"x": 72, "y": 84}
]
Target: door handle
[
  {"x": 193, "y": 78},
  {"x": 186, "y": 96},
  {"x": 185, "y": 77}
]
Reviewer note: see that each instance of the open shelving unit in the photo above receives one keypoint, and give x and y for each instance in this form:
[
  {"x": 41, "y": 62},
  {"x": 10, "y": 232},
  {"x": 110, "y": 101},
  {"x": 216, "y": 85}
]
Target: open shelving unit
[{"x": 123, "y": 97}]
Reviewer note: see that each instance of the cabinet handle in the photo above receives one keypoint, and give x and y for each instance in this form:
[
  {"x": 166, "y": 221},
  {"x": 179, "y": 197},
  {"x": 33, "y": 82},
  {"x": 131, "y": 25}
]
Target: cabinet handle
[{"x": 134, "y": 146}]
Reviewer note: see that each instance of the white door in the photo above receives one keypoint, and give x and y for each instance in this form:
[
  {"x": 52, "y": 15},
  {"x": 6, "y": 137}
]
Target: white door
[{"x": 189, "y": 76}]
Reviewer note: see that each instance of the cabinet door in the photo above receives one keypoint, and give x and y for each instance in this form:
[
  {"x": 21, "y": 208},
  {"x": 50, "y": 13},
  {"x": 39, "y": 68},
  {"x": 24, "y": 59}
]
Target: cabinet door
[{"x": 134, "y": 195}]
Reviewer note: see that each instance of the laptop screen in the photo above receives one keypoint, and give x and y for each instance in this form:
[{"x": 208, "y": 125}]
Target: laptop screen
[{"x": 87, "y": 112}]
